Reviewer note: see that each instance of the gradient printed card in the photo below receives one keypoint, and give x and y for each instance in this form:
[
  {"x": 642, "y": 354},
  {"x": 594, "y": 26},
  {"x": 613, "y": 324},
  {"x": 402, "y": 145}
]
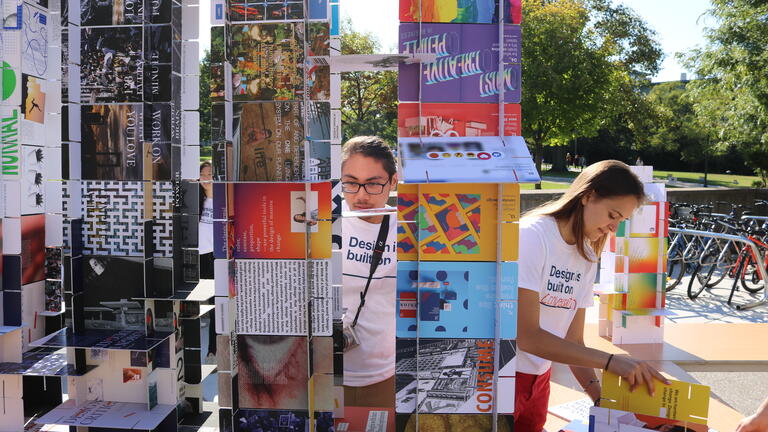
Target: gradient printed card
[
  {"x": 271, "y": 220},
  {"x": 460, "y": 11},
  {"x": 645, "y": 255}
]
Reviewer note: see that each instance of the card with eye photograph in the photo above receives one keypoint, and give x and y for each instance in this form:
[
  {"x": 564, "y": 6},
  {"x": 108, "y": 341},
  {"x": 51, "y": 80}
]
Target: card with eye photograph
[{"x": 273, "y": 372}]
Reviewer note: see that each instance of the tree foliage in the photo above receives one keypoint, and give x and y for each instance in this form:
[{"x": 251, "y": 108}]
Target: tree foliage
[
  {"x": 583, "y": 62},
  {"x": 368, "y": 99},
  {"x": 205, "y": 98},
  {"x": 678, "y": 129},
  {"x": 731, "y": 94}
]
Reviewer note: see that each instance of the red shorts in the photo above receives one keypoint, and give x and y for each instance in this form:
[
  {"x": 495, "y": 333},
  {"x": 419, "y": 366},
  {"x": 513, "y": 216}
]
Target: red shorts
[{"x": 531, "y": 401}]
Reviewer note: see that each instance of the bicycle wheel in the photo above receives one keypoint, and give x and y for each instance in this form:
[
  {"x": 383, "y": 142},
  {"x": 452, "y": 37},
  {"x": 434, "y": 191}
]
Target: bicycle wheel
[
  {"x": 750, "y": 277},
  {"x": 696, "y": 285},
  {"x": 720, "y": 271},
  {"x": 675, "y": 271}
]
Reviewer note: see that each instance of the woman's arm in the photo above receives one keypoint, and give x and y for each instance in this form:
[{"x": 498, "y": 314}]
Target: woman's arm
[
  {"x": 584, "y": 375},
  {"x": 532, "y": 339}
]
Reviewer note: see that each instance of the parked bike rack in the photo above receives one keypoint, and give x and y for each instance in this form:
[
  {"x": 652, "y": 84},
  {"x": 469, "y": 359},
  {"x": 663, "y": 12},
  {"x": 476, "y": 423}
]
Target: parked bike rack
[{"x": 735, "y": 238}]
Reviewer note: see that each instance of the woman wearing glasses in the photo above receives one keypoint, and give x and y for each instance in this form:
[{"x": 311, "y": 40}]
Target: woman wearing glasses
[{"x": 368, "y": 175}]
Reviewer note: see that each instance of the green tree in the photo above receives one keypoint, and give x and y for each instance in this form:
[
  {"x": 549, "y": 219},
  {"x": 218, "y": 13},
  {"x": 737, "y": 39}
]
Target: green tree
[
  {"x": 678, "y": 130},
  {"x": 731, "y": 94},
  {"x": 205, "y": 99},
  {"x": 368, "y": 99},
  {"x": 583, "y": 63},
  {"x": 213, "y": 56}
]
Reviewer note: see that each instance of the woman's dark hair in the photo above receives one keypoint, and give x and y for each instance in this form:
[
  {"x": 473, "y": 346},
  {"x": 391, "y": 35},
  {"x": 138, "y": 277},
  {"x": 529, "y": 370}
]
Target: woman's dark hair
[
  {"x": 372, "y": 147},
  {"x": 606, "y": 179}
]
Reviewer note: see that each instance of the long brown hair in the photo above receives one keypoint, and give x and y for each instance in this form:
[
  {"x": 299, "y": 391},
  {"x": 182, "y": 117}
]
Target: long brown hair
[{"x": 607, "y": 179}]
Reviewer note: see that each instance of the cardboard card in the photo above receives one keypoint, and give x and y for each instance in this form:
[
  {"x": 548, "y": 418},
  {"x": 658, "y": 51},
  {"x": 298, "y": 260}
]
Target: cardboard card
[
  {"x": 12, "y": 414},
  {"x": 152, "y": 390},
  {"x": 284, "y": 310},
  {"x": 272, "y": 372},
  {"x": 655, "y": 191},
  {"x": 454, "y": 222},
  {"x": 270, "y": 138},
  {"x": 644, "y": 255},
  {"x": 455, "y": 11},
  {"x": 451, "y": 302},
  {"x": 33, "y": 175},
  {"x": 282, "y": 207},
  {"x": 32, "y": 305},
  {"x": 116, "y": 228},
  {"x": 190, "y": 128},
  {"x": 644, "y": 290},
  {"x": 460, "y": 367},
  {"x": 645, "y": 220},
  {"x": 472, "y": 83},
  {"x": 466, "y": 160},
  {"x": 11, "y": 50},
  {"x": 95, "y": 13},
  {"x": 678, "y": 401},
  {"x": 255, "y": 75},
  {"x": 112, "y": 141},
  {"x": 605, "y": 419},
  {"x": 643, "y": 172},
  {"x": 101, "y": 80},
  {"x": 456, "y": 120},
  {"x": 36, "y": 119}
]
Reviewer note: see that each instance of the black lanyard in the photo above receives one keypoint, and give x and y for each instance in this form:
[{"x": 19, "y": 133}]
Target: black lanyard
[{"x": 378, "y": 251}]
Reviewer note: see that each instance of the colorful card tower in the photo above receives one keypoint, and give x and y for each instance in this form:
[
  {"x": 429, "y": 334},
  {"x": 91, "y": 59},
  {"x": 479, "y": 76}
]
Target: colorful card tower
[
  {"x": 30, "y": 135},
  {"x": 461, "y": 158},
  {"x": 100, "y": 215},
  {"x": 633, "y": 273},
  {"x": 275, "y": 132}
]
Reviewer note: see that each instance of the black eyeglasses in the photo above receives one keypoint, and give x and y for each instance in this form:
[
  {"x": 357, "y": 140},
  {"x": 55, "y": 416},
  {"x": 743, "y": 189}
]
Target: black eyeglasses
[{"x": 370, "y": 188}]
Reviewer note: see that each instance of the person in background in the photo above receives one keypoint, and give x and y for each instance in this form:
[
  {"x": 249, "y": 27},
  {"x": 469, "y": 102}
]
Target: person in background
[
  {"x": 205, "y": 233},
  {"x": 639, "y": 161},
  {"x": 205, "y": 245},
  {"x": 368, "y": 175}
]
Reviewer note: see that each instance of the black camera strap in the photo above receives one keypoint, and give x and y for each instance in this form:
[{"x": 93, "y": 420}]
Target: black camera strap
[{"x": 378, "y": 251}]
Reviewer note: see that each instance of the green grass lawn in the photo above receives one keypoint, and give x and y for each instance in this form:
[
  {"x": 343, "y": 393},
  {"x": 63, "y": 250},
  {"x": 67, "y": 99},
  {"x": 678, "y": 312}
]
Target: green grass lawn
[
  {"x": 545, "y": 185},
  {"x": 714, "y": 179},
  {"x": 688, "y": 177}
]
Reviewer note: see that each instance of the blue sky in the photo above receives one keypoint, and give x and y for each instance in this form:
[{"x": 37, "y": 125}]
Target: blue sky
[{"x": 678, "y": 23}]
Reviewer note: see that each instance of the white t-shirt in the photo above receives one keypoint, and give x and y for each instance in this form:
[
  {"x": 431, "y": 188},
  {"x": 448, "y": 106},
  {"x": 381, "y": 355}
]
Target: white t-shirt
[
  {"x": 205, "y": 233},
  {"x": 374, "y": 360},
  {"x": 563, "y": 278}
]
